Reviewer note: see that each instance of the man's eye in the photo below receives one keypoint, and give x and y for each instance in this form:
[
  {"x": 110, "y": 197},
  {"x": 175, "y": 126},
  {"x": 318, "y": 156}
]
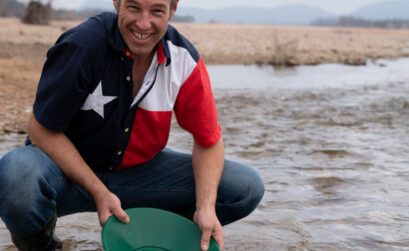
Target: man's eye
[
  {"x": 158, "y": 11},
  {"x": 134, "y": 8}
]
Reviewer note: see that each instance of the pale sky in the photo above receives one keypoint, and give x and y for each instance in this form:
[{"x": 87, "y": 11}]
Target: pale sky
[{"x": 334, "y": 6}]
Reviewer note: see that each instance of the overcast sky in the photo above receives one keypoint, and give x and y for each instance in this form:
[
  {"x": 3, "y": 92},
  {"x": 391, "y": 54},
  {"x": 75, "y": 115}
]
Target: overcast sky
[{"x": 333, "y": 6}]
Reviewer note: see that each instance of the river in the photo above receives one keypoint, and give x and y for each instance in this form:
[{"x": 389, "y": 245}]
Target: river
[{"x": 331, "y": 143}]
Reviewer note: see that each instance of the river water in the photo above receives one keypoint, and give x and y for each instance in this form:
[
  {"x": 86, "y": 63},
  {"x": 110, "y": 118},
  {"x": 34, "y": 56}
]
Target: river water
[{"x": 331, "y": 143}]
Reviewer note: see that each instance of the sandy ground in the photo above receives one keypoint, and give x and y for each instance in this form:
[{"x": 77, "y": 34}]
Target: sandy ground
[{"x": 23, "y": 49}]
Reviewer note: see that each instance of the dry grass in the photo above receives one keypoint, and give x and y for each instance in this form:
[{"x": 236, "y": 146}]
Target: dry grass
[
  {"x": 245, "y": 44},
  {"x": 23, "y": 49}
]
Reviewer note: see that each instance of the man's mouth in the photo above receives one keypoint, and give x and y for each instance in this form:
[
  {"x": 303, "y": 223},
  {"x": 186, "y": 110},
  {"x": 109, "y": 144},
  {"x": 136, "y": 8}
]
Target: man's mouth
[{"x": 142, "y": 36}]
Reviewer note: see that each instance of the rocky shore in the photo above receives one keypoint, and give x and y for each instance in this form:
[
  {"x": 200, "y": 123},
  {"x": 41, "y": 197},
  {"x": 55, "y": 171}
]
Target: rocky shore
[{"x": 23, "y": 49}]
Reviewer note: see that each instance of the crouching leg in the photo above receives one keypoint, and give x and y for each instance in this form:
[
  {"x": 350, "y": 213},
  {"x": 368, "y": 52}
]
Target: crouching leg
[
  {"x": 27, "y": 198},
  {"x": 240, "y": 191}
]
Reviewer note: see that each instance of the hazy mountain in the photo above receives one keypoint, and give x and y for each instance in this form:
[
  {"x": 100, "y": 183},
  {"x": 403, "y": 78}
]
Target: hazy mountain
[
  {"x": 384, "y": 10},
  {"x": 292, "y": 14},
  {"x": 283, "y": 15},
  {"x": 11, "y": 8},
  {"x": 97, "y": 5}
]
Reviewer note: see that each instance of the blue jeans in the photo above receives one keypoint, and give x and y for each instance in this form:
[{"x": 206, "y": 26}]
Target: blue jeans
[{"x": 32, "y": 187}]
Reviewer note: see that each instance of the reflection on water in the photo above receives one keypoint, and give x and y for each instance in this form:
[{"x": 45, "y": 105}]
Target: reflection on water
[
  {"x": 319, "y": 76},
  {"x": 331, "y": 143}
]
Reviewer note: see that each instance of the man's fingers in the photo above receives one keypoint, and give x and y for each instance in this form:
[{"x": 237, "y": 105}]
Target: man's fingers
[
  {"x": 103, "y": 217},
  {"x": 218, "y": 236},
  {"x": 121, "y": 215},
  {"x": 204, "y": 243}
]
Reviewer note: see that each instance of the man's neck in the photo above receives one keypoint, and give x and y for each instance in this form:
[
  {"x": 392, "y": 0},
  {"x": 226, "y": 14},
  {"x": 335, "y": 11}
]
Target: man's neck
[
  {"x": 139, "y": 69},
  {"x": 143, "y": 61}
]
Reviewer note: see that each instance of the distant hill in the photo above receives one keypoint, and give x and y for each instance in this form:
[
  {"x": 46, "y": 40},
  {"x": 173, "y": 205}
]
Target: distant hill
[
  {"x": 386, "y": 15},
  {"x": 11, "y": 8},
  {"x": 384, "y": 10},
  {"x": 97, "y": 5},
  {"x": 294, "y": 14},
  {"x": 291, "y": 14}
]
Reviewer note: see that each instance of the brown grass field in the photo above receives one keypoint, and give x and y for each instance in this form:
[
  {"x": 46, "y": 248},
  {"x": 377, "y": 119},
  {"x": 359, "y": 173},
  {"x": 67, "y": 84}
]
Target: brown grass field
[{"x": 23, "y": 49}]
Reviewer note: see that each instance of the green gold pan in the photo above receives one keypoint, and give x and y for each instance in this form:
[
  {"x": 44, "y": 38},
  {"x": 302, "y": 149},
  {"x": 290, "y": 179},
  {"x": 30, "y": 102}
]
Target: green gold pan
[{"x": 153, "y": 229}]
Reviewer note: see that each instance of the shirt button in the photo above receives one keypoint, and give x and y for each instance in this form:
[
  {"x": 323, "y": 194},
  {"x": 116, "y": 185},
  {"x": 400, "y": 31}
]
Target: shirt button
[
  {"x": 119, "y": 153},
  {"x": 128, "y": 78},
  {"x": 126, "y": 129}
]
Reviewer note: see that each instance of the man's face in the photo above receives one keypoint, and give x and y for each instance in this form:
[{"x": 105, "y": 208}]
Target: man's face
[{"x": 143, "y": 23}]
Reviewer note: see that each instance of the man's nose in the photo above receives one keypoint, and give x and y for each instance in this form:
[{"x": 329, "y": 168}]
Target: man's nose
[{"x": 144, "y": 21}]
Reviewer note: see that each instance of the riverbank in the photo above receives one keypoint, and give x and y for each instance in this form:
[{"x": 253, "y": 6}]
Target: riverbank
[{"x": 23, "y": 49}]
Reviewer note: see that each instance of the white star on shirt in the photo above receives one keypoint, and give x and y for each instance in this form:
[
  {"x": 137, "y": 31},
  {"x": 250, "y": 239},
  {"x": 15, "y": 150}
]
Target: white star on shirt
[{"x": 96, "y": 101}]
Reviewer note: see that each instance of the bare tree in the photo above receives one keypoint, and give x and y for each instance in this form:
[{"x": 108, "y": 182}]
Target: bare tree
[
  {"x": 38, "y": 13},
  {"x": 3, "y": 9}
]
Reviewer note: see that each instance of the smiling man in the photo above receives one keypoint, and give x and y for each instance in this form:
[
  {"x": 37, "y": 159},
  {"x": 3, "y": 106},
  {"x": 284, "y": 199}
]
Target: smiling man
[{"x": 100, "y": 124}]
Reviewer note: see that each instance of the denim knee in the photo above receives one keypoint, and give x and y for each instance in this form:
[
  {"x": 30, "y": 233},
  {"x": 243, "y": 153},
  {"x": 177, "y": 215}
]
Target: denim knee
[
  {"x": 241, "y": 190},
  {"x": 25, "y": 192}
]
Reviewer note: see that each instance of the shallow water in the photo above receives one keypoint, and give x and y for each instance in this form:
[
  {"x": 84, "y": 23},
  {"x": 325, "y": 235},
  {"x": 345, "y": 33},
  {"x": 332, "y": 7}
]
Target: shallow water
[{"x": 331, "y": 144}]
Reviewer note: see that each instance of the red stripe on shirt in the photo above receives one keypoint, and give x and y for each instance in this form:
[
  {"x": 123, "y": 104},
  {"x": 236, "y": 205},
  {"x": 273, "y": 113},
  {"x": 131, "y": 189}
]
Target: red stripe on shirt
[
  {"x": 149, "y": 136},
  {"x": 195, "y": 108},
  {"x": 161, "y": 54}
]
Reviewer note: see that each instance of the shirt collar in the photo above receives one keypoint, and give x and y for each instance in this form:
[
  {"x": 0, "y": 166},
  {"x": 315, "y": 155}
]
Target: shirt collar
[
  {"x": 165, "y": 49},
  {"x": 161, "y": 53},
  {"x": 115, "y": 38}
]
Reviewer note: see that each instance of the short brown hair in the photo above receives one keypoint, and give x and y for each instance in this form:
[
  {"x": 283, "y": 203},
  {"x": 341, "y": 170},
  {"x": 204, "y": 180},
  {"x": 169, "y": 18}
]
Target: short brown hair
[{"x": 171, "y": 3}]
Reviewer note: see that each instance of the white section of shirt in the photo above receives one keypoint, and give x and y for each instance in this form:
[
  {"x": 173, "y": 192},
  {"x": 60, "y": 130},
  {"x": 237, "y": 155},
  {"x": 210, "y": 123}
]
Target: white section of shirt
[
  {"x": 147, "y": 81},
  {"x": 169, "y": 79}
]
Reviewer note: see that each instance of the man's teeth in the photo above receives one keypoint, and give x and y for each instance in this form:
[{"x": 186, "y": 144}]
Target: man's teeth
[{"x": 141, "y": 36}]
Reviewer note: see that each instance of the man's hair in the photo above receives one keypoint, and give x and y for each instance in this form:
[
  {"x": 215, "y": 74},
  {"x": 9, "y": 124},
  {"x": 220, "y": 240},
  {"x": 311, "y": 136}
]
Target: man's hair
[{"x": 172, "y": 2}]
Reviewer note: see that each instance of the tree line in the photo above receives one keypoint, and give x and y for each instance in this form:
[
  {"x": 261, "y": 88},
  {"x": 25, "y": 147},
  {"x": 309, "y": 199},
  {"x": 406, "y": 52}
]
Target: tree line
[
  {"x": 36, "y": 12},
  {"x": 346, "y": 21},
  {"x": 11, "y": 8}
]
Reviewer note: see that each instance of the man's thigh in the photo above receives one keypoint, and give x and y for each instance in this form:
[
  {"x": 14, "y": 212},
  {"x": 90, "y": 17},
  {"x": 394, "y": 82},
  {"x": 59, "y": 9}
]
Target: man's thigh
[
  {"x": 166, "y": 182},
  {"x": 33, "y": 187}
]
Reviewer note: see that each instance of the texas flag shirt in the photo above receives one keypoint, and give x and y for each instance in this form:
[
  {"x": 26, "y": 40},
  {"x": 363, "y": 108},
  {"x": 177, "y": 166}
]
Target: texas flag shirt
[{"x": 85, "y": 91}]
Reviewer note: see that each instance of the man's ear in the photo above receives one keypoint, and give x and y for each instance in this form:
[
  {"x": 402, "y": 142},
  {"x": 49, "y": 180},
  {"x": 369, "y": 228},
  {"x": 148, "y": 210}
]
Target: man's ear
[
  {"x": 115, "y": 2},
  {"x": 174, "y": 8}
]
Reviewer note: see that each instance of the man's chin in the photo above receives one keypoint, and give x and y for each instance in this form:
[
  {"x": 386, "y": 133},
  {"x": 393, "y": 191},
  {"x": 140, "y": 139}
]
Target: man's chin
[{"x": 140, "y": 52}]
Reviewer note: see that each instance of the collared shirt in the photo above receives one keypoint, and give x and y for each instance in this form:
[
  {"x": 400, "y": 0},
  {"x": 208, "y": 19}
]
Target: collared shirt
[{"x": 85, "y": 91}]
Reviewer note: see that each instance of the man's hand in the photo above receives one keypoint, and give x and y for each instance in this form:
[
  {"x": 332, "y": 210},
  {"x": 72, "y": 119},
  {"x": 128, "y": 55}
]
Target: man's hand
[
  {"x": 63, "y": 152},
  {"x": 108, "y": 204},
  {"x": 210, "y": 226}
]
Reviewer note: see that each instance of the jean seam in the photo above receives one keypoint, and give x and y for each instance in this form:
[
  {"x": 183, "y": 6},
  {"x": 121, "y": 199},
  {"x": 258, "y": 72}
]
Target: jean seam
[
  {"x": 151, "y": 190},
  {"x": 55, "y": 181}
]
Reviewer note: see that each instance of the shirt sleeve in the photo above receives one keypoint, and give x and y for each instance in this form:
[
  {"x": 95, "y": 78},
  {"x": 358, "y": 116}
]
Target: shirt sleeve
[
  {"x": 63, "y": 86},
  {"x": 195, "y": 107}
]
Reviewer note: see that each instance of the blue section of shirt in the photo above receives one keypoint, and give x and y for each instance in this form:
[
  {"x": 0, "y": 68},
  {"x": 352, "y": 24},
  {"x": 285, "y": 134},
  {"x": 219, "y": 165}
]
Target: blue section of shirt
[
  {"x": 85, "y": 58},
  {"x": 82, "y": 58}
]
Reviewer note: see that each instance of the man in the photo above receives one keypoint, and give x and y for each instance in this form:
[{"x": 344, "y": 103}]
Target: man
[{"x": 99, "y": 128}]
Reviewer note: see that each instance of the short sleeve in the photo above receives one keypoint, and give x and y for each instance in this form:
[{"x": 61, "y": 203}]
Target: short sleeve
[
  {"x": 64, "y": 85},
  {"x": 195, "y": 107}
]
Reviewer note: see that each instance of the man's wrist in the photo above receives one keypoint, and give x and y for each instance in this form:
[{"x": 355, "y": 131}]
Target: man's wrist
[
  {"x": 99, "y": 191},
  {"x": 205, "y": 206}
]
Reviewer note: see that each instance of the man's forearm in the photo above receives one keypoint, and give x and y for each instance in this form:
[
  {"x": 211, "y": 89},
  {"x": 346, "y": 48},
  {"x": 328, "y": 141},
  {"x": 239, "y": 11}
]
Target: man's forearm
[
  {"x": 208, "y": 167},
  {"x": 61, "y": 150}
]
